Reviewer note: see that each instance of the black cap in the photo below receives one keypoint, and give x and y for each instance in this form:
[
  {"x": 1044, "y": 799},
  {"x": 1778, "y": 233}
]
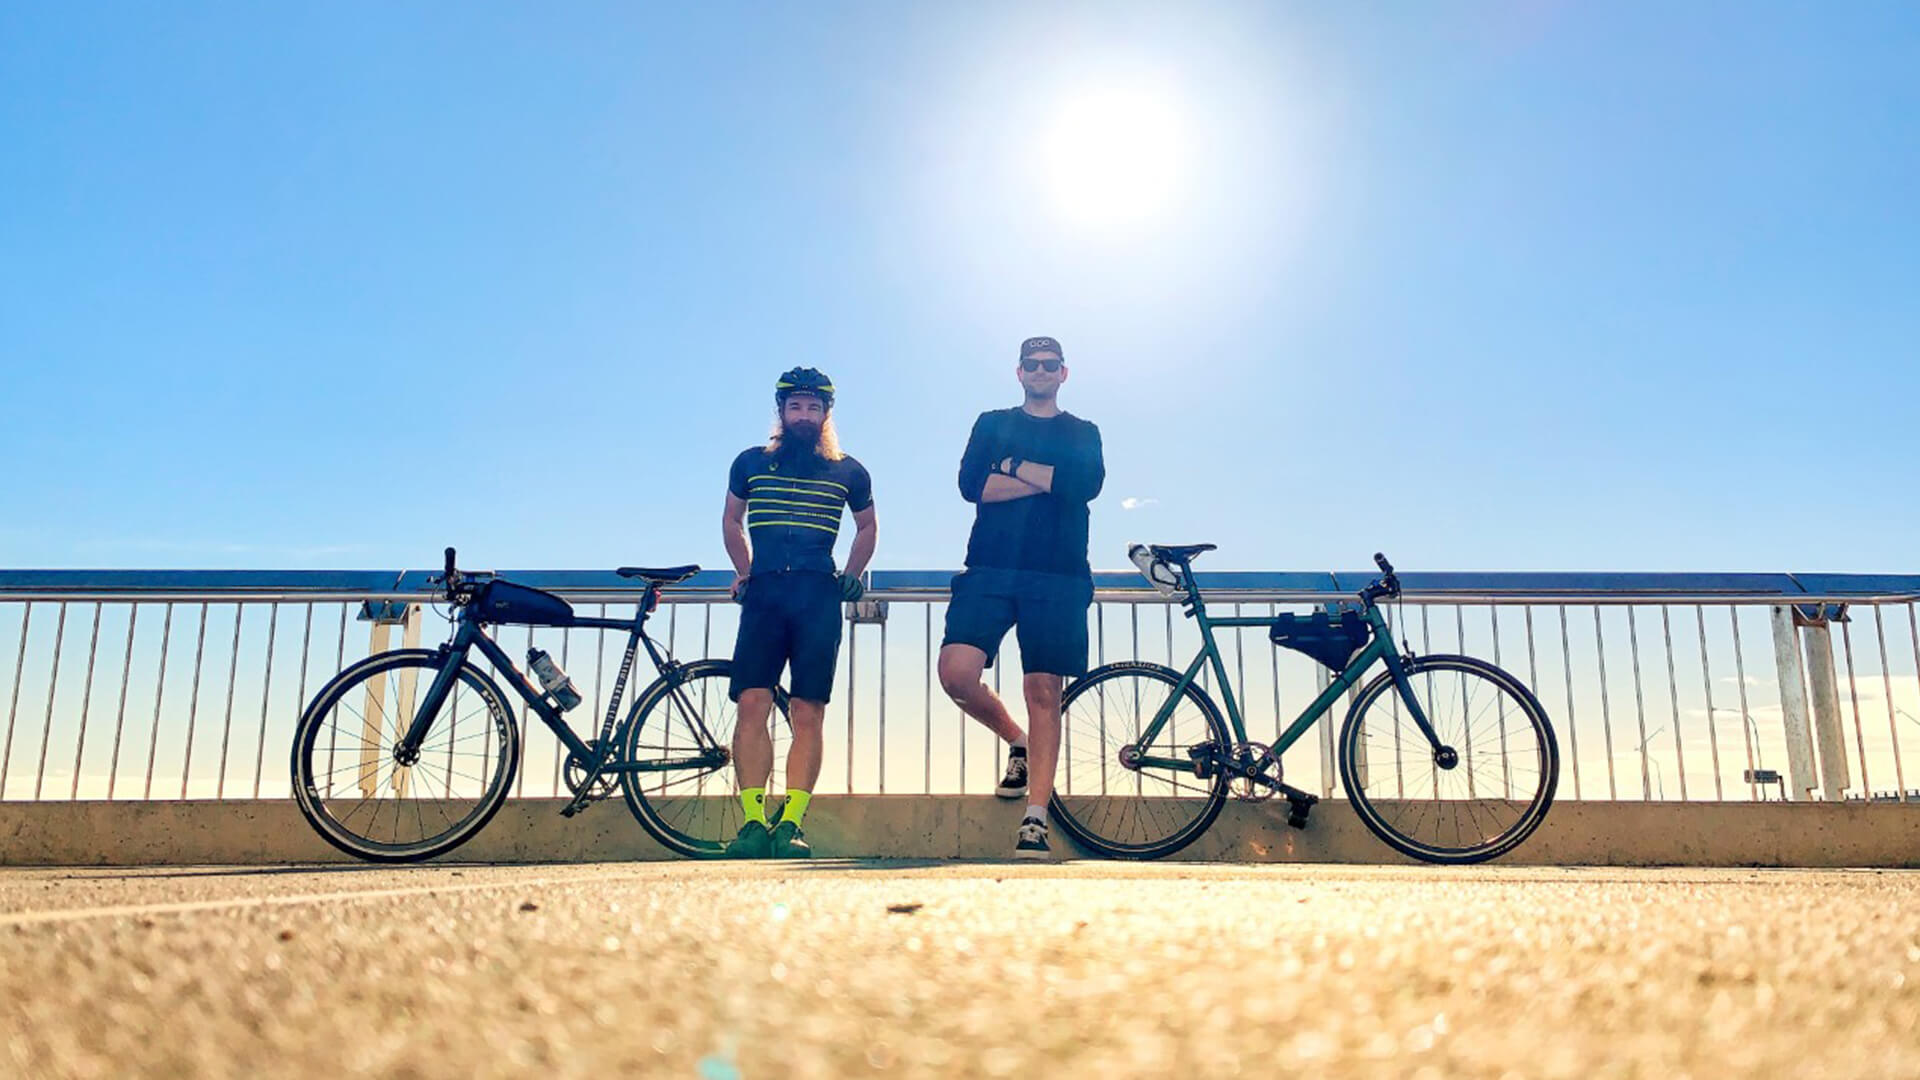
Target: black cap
[{"x": 1041, "y": 344}]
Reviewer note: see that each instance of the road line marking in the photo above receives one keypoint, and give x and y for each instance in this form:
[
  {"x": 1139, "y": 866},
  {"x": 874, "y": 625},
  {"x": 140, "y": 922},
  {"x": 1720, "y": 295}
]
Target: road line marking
[{"x": 182, "y": 907}]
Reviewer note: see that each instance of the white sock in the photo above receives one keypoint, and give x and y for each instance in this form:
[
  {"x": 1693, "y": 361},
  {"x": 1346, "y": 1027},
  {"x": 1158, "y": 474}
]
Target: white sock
[
  {"x": 1020, "y": 744},
  {"x": 1036, "y": 813}
]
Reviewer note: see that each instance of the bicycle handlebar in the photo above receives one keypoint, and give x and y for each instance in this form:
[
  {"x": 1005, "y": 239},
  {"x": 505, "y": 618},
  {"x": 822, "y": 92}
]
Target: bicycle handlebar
[
  {"x": 450, "y": 581},
  {"x": 1389, "y": 584}
]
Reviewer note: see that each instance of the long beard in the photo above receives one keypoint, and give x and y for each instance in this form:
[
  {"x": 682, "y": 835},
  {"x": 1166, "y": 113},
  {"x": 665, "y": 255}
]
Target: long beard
[{"x": 799, "y": 441}]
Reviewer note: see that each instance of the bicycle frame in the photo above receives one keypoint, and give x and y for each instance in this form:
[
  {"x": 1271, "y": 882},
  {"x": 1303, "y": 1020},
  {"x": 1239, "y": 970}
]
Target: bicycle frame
[
  {"x": 1378, "y": 647},
  {"x": 470, "y": 634}
]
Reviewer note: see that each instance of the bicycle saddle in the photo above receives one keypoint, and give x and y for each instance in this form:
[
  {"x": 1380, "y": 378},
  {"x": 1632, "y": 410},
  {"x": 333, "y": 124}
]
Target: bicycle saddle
[
  {"x": 1179, "y": 553},
  {"x": 662, "y": 575}
]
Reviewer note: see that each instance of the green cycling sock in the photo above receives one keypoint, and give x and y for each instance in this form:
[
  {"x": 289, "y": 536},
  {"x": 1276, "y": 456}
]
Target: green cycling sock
[{"x": 796, "y": 807}]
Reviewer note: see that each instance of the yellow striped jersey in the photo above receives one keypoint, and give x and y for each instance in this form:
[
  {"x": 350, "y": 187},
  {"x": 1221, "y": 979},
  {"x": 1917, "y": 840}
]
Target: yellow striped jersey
[{"x": 794, "y": 506}]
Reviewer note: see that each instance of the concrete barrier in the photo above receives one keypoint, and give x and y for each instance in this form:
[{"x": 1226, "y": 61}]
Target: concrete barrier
[{"x": 977, "y": 827}]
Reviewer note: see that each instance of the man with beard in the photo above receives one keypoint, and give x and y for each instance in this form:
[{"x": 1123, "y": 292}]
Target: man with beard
[
  {"x": 782, "y": 517},
  {"x": 1031, "y": 472}
]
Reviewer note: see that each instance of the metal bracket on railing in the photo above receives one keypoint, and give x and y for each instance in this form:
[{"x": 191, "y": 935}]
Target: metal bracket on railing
[
  {"x": 384, "y": 612},
  {"x": 1805, "y": 615},
  {"x": 867, "y": 612}
]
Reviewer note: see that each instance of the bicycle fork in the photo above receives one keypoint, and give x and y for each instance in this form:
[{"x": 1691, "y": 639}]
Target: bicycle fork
[
  {"x": 1444, "y": 756},
  {"x": 406, "y": 752}
]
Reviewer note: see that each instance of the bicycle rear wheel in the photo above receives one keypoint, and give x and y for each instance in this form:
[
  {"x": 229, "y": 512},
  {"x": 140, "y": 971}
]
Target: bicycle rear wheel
[
  {"x": 690, "y": 805},
  {"x": 1484, "y": 793},
  {"x": 360, "y": 799},
  {"x": 1114, "y": 807}
]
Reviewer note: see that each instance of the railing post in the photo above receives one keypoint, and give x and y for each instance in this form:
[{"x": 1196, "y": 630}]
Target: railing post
[
  {"x": 1793, "y": 703},
  {"x": 1329, "y": 773},
  {"x": 379, "y": 639},
  {"x": 1828, "y": 734}
]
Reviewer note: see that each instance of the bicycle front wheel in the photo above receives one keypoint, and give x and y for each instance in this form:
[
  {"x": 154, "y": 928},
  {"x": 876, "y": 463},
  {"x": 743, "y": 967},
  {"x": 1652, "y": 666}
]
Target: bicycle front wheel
[
  {"x": 351, "y": 785},
  {"x": 680, "y": 781},
  {"x": 1123, "y": 795},
  {"x": 1484, "y": 791}
]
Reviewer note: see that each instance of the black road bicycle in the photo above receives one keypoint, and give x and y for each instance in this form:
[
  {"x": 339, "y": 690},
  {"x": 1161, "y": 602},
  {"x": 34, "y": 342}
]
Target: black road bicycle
[{"x": 388, "y": 773}]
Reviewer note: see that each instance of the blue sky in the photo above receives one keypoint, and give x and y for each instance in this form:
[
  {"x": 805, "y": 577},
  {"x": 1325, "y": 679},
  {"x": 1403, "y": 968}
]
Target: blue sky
[{"x": 1514, "y": 285}]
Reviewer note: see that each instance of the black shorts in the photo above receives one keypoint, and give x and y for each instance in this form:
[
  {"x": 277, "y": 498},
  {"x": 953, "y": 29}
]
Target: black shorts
[
  {"x": 788, "y": 618},
  {"x": 1048, "y": 613}
]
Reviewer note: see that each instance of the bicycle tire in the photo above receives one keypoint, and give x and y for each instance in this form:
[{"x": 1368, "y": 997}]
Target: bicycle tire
[
  {"x": 1168, "y": 810},
  {"x": 323, "y": 791},
  {"x": 1378, "y": 724},
  {"x": 676, "y": 807}
]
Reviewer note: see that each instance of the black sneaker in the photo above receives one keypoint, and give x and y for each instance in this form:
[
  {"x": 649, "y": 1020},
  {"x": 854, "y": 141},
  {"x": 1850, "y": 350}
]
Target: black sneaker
[
  {"x": 1014, "y": 784},
  {"x": 789, "y": 842},
  {"x": 754, "y": 842},
  {"x": 1032, "y": 844}
]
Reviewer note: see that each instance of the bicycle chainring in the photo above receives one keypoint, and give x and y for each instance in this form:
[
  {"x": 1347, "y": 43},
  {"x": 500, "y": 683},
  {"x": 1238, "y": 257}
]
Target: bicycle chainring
[
  {"x": 1250, "y": 760},
  {"x": 575, "y": 776}
]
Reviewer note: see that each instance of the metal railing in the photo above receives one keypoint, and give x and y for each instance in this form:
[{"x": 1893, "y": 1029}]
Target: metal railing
[{"x": 181, "y": 684}]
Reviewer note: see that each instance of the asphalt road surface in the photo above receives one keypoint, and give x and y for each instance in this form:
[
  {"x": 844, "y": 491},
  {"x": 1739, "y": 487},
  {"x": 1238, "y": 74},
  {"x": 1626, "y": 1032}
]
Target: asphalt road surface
[{"x": 841, "y": 968}]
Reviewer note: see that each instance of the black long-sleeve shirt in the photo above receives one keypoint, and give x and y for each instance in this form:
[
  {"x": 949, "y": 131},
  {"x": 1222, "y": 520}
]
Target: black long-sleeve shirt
[{"x": 1045, "y": 532}]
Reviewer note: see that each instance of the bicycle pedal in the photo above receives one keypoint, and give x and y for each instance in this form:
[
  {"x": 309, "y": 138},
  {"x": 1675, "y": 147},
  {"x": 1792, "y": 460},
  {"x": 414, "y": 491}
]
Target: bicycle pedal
[{"x": 1299, "y": 804}]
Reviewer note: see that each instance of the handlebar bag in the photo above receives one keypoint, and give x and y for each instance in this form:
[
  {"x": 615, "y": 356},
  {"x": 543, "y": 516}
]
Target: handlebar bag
[
  {"x": 1329, "y": 640},
  {"x": 505, "y": 602}
]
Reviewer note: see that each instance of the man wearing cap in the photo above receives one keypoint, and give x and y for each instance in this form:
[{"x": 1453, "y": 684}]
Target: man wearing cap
[
  {"x": 1030, "y": 471},
  {"x": 782, "y": 517}
]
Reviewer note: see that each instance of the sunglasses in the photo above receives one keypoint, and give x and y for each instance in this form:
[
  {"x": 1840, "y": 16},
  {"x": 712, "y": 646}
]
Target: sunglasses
[{"x": 1035, "y": 365}]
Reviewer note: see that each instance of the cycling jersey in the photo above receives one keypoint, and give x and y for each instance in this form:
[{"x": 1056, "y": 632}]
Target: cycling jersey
[{"x": 794, "y": 506}]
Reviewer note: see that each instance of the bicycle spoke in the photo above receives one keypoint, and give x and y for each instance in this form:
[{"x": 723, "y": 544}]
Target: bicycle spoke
[
  {"x": 1451, "y": 813},
  {"x": 371, "y": 804}
]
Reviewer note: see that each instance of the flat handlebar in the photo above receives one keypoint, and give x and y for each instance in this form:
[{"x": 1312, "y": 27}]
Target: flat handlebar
[{"x": 1389, "y": 584}]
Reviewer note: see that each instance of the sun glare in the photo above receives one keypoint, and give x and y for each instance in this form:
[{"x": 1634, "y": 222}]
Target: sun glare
[{"x": 1113, "y": 156}]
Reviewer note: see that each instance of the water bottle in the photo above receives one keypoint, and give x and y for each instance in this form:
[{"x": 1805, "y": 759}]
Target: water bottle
[
  {"x": 552, "y": 679},
  {"x": 1163, "y": 577}
]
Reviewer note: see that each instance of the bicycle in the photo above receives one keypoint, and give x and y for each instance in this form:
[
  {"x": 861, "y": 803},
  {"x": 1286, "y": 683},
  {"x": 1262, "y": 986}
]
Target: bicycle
[
  {"x": 416, "y": 779},
  {"x": 1417, "y": 753}
]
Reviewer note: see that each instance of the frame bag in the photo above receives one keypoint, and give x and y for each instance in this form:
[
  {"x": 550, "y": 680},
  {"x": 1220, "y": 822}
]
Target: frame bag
[
  {"x": 1332, "y": 641},
  {"x": 505, "y": 602}
]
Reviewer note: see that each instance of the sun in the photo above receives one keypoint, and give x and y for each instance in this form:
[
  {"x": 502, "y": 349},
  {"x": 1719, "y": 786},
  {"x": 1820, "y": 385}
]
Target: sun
[{"x": 1113, "y": 156}]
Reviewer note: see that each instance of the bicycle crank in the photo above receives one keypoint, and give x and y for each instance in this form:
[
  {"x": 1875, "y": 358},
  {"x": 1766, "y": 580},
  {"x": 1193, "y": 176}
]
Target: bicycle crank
[
  {"x": 1255, "y": 772},
  {"x": 584, "y": 786}
]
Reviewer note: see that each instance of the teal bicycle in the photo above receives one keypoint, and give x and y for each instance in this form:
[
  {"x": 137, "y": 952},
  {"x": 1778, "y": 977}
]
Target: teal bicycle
[{"x": 1448, "y": 759}]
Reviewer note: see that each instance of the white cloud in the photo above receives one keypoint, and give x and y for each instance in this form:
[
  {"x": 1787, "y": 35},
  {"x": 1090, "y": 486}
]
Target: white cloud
[{"x": 1135, "y": 502}]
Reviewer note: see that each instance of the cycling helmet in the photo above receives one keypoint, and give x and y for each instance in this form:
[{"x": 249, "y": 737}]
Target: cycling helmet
[{"x": 804, "y": 380}]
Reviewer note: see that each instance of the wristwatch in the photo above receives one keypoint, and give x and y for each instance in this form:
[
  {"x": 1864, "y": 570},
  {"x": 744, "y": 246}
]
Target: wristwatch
[{"x": 1013, "y": 468}]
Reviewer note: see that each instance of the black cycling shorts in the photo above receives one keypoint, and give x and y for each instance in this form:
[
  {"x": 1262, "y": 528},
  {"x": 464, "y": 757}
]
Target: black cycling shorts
[
  {"x": 790, "y": 618},
  {"x": 1048, "y": 613}
]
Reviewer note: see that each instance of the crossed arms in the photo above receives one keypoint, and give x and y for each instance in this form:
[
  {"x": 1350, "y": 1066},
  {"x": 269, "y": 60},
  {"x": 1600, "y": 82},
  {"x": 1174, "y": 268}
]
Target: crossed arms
[{"x": 983, "y": 480}]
